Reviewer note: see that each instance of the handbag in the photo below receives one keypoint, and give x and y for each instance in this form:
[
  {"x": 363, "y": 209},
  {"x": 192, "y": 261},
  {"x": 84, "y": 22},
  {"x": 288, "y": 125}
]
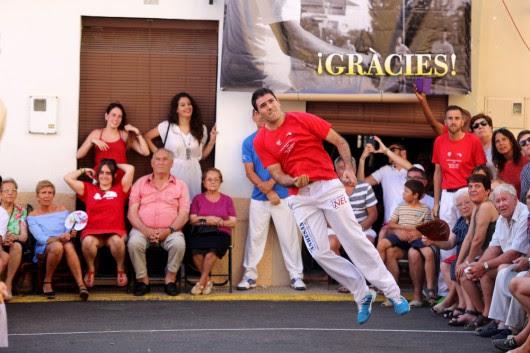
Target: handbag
[{"x": 203, "y": 229}]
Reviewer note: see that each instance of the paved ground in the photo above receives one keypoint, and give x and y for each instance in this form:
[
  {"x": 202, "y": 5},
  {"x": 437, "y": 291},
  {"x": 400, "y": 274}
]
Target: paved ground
[{"x": 228, "y": 326}]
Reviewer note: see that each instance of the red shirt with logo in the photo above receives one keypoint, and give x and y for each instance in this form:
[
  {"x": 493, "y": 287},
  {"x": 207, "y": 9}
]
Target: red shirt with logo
[
  {"x": 457, "y": 159},
  {"x": 297, "y": 146},
  {"x": 105, "y": 210}
]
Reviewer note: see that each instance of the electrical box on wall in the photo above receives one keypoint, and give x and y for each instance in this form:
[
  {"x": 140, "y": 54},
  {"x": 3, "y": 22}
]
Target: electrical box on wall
[{"x": 43, "y": 114}]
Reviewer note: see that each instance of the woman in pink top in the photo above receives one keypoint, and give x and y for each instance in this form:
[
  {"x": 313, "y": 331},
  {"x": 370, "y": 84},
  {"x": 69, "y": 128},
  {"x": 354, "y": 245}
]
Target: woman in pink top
[
  {"x": 105, "y": 206},
  {"x": 507, "y": 158},
  {"x": 114, "y": 139},
  {"x": 213, "y": 215}
]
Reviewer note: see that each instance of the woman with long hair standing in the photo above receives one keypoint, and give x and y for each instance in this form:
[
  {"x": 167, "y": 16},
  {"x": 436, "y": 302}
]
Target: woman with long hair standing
[
  {"x": 112, "y": 141},
  {"x": 184, "y": 134}
]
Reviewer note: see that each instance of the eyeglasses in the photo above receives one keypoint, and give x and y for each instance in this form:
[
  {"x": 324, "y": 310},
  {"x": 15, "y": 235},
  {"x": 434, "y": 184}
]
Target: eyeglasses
[
  {"x": 419, "y": 178},
  {"x": 9, "y": 191},
  {"x": 524, "y": 142},
  {"x": 480, "y": 123},
  {"x": 216, "y": 180}
]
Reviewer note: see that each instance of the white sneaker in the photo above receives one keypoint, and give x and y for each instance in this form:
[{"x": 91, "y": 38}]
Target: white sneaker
[
  {"x": 246, "y": 284},
  {"x": 298, "y": 284}
]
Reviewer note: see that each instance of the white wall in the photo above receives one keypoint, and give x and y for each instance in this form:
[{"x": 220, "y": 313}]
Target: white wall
[{"x": 39, "y": 55}]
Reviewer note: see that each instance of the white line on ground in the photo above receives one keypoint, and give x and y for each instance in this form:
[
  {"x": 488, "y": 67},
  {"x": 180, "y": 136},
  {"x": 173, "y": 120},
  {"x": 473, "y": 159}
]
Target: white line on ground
[{"x": 235, "y": 330}]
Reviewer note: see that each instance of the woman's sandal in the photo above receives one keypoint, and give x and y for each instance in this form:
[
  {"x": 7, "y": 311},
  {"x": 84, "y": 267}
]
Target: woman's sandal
[
  {"x": 121, "y": 279},
  {"x": 197, "y": 289},
  {"x": 464, "y": 319},
  {"x": 431, "y": 297},
  {"x": 454, "y": 313},
  {"x": 479, "y": 321},
  {"x": 50, "y": 294},
  {"x": 83, "y": 293},
  {"x": 89, "y": 279}
]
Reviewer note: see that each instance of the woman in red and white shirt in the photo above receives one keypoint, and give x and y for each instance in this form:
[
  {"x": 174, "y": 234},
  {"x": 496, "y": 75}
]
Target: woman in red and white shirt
[{"x": 105, "y": 206}]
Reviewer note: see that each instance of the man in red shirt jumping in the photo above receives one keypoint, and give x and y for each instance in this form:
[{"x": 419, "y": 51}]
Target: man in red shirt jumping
[{"x": 290, "y": 147}]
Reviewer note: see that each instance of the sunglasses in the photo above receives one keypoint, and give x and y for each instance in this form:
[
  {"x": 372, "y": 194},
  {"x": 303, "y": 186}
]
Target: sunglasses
[
  {"x": 524, "y": 142},
  {"x": 482, "y": 123}
]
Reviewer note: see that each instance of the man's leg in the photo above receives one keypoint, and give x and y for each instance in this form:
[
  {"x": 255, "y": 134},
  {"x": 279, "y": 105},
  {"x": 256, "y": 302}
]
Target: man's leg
[
  {"x": 288, "y": 238},
  {"x": 258, "y": 229},
  {"x": 501, "y": 296},
  {"x": 137, "y": 244},
  {"x": 487, "y": 283},
  {"x": 175, "y": 245},
  {"x": 361, "y": 252},
  {"x": 313, "y": 227}
]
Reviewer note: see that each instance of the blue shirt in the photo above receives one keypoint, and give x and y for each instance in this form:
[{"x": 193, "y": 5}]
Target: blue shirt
[
  {"x": 44, "y": 226},
  {"x": 250, "y": 156}
]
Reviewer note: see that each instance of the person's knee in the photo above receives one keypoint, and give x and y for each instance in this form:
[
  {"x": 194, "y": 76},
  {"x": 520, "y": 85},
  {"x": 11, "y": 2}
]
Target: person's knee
[
  {"x": 136, "y": 243},
  {"x": 15, "y": 249},
  {"x": 413, "y": 256},
  {"x": 515, "y": 285},
  {"x": 56, "y": 248},
  {"x": 383, "y": 244}
]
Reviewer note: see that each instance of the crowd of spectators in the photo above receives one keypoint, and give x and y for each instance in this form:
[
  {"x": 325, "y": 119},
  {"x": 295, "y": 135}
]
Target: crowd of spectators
[{"x": 481, "y": 184}]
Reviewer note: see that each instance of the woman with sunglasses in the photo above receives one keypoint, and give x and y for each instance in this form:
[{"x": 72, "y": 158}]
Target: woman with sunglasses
[
  {"x": 105, "y": 206},
  {"x": 482, "y": 126},
  {"x": 524, "y": 141},
  {"x": 507, "y": 157}
]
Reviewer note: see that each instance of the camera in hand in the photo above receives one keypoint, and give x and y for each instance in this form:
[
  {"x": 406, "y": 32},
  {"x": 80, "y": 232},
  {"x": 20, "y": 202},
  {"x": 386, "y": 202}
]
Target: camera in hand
[{"x": 371, "y": 140}]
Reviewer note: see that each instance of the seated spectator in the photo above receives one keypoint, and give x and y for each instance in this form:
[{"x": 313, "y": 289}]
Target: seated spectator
[
  {"x": 506, "y": 312},
  {"x": 418, "y": 173},
  {"x": 456, "y": 238},
  {"x": 509, "y": 241},
  {"x": 4, "y": 220},
  {"x": 520, "y": 288},
  {"x": 212, "y": 214},
  {"x": 477, "y": 239},
  {"x": 105, "y": 206},
  {"x": 158, "y": 210},
  {"x": 507, "y": 157},
  {"x": 16, "y": 237},
  {"x": 53, "y": 240},
  {"x": 404, "y": 235}
]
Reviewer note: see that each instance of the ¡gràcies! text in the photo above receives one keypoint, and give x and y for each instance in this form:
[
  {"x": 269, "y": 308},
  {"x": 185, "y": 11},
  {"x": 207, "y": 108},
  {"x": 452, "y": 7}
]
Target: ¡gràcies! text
[{"x": 434, "y": 65}]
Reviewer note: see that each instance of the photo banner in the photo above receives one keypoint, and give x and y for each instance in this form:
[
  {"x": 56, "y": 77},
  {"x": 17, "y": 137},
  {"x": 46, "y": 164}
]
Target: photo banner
[{"x": 347, "y": 46}]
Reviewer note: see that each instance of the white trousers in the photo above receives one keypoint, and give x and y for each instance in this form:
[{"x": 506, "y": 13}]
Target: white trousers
[
  {"x": 504, "y": 307},
  {"x": 325, "y": 202},
  {"x": 260, "y": 214}
]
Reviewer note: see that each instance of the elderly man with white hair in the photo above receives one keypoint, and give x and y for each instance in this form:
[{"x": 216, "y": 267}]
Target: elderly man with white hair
[{"x": 509, "y": 242}]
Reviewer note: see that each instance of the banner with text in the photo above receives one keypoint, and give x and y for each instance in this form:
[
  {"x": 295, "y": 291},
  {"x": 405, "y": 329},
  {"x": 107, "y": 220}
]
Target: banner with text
[{"x": 347, "y": 46}]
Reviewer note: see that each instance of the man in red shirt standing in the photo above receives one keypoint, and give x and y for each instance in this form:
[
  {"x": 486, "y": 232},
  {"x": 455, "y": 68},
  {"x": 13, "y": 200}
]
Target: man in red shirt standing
[
  {"x": 456, "y": 153},
  {"x": 290, "y": 147}
]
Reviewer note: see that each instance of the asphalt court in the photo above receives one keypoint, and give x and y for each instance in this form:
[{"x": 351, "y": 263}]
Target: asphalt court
[{"x": 234, "y": 326}]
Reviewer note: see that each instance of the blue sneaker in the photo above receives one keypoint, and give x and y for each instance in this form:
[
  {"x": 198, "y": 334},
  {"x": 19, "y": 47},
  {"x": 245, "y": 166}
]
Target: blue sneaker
[
  {"x": 401, "y": 305},
  {"x": 365, "y": 307}
]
